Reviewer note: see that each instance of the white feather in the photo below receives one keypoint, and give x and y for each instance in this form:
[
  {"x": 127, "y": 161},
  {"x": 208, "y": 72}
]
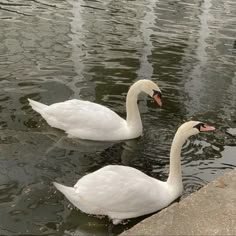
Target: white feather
[
  {"x": 122, "y": 192},
  {"x": 88, "y": 120}
]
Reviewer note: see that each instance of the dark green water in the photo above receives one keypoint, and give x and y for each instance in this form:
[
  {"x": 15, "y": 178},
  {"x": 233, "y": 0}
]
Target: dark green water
[{"x": 52, "y": 51}]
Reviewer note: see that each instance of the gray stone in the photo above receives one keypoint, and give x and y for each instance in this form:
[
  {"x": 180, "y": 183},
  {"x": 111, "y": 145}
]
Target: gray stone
[{"x": 231, "y": 131}]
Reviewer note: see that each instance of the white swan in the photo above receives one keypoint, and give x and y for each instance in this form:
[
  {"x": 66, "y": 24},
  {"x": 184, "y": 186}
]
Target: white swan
[
  {"x": 122, "y": 192},
  {"x": 88, "y": 120}
]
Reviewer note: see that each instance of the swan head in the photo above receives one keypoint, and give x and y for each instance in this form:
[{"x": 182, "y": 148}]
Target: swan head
[
  {"x": 152, "y": 89},
  {"x": 194, "y": 127}
]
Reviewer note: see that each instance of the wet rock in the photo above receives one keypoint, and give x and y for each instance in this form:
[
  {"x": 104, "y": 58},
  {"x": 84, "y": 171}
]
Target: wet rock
[{"x": 231, "y": 131}]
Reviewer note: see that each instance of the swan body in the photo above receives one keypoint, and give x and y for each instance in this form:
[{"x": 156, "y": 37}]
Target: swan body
[
  {"x": 123, "y": 192},
  {"x": 88, "y": 120}
]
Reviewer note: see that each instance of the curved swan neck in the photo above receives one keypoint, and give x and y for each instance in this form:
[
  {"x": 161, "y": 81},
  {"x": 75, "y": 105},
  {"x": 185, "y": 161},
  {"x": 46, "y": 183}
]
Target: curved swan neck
[
  {"x": 133, "y": 116},
  {"x": 175, "y": 175}
]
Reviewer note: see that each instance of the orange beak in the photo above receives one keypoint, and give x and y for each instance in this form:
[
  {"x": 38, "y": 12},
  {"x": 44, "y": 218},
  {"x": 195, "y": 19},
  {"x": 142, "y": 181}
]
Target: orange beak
[
  {"x": 158, "y": 99},
  {"x": 207, "y": 128}
]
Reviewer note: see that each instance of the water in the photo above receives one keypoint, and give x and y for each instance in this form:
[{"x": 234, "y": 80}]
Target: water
[{"x": 52, "y": 51}]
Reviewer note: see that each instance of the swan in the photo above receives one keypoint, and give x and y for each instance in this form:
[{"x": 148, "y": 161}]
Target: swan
[
  {"x": 122, "y": 192},
  {"x": 92, "y": 121}
]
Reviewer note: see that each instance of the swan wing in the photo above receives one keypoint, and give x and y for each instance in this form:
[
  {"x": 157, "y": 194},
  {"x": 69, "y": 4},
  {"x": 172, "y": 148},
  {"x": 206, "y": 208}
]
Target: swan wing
[
  {"x": 83, "y": 119},
  {"x": 121, "y": 190}
]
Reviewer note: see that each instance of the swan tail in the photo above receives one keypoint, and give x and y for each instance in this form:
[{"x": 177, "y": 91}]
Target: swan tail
[
  {"x": 69, "y": 192},
  {"x": 37, "y": 106}
]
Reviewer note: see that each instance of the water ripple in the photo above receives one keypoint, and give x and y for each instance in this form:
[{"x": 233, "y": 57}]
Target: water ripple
[{"x": 94, "y": 50}]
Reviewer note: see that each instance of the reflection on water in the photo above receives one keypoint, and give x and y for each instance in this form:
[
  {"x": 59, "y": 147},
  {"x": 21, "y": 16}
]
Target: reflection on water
[
  {"x": 52, "y": 51},
  {"x": 197, "y": 76},
  {"x": 146, "y": 69}
]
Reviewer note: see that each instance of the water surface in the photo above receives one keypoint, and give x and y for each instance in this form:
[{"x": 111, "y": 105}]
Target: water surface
[{"x": 52, "y": 51}]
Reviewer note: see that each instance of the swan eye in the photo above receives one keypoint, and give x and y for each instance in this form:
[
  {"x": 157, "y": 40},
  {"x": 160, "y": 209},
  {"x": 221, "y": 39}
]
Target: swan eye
[
  {"x": 158, "y": 93},
  {"x": 199, "y": 125}
]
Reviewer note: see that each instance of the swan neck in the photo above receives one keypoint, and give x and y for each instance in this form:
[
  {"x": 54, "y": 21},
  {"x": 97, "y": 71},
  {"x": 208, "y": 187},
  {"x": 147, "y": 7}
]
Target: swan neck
[
  {"x": 133, "y": 116},
  {"x": 175, "y": 174}
]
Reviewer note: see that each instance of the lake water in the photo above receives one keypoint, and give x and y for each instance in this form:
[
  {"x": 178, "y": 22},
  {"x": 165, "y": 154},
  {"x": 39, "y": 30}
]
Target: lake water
[{"x": 52, "y": 51}]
